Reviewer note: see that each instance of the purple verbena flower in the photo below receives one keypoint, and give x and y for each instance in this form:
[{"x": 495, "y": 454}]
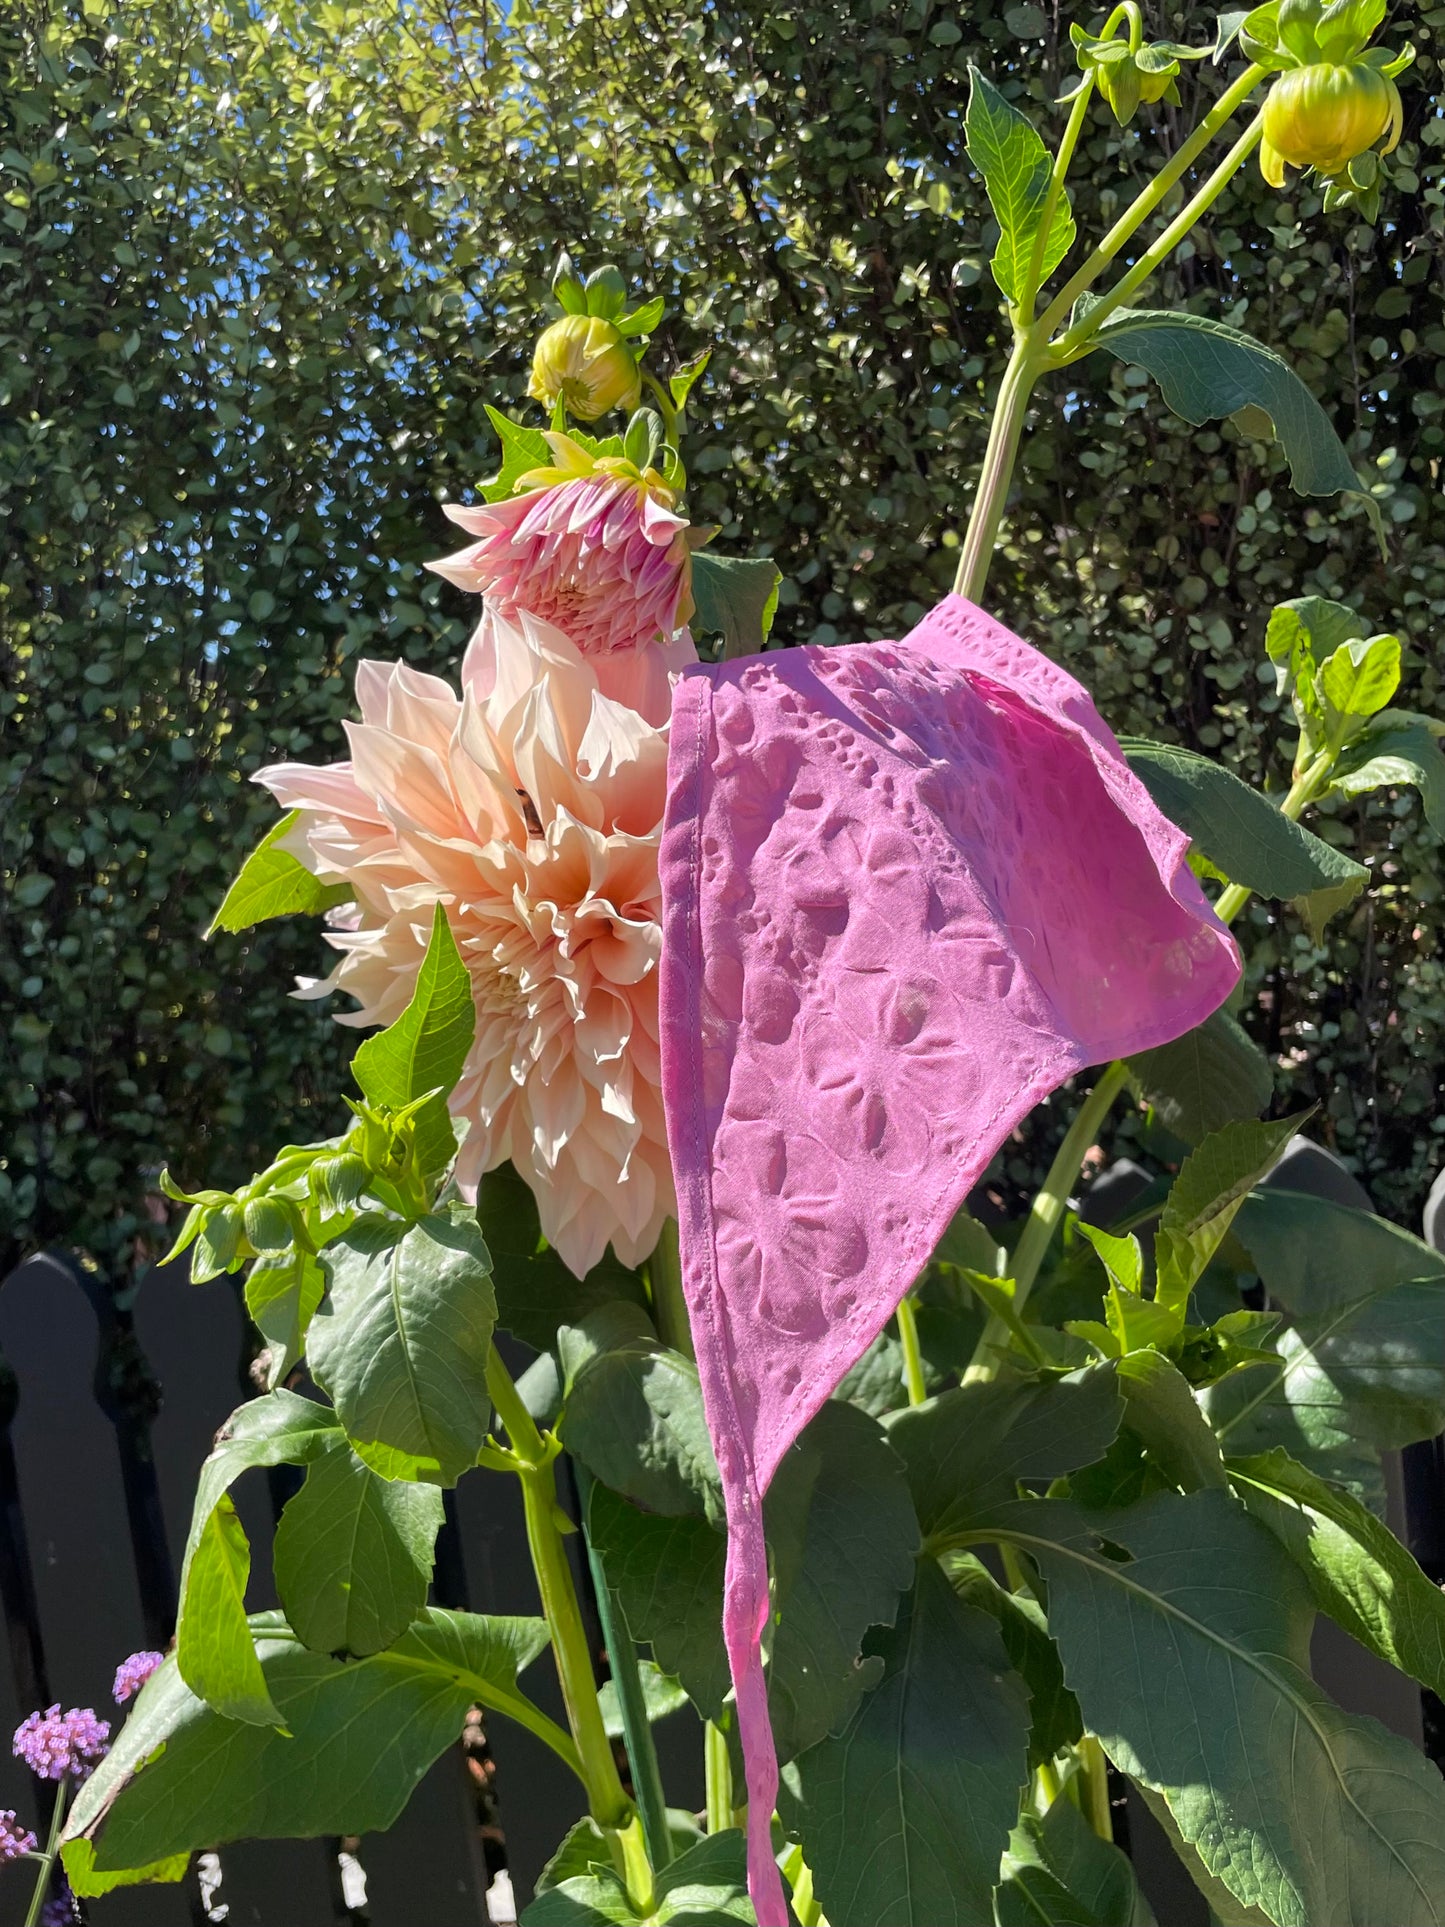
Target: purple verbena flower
[
  {"x": 132, "y": 1674},
  {"x": 15, "y": 1839},
  {"x": 55, "y": 1745},
  {"x": 59, "y": 1910}
]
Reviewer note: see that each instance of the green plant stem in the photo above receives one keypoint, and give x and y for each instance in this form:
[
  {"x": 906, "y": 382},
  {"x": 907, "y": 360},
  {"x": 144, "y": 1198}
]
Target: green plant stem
[
  {"x": 52, "y": 1848},
  {"x": 1062, "y": 160},
  {"x": 606, "y": 1798},
  {"x": 1046, "y": 1214},
  {"x": 718, "y": 1778},
  {"x": 795, "y": 1870},
  {"x": 1094, "y": 1770},
  {"x": 528, "y": 1445},
  {"x": 1078, "y": 340},
  {"x": 1302, "y": 792},
  {"x": 671, "y": 415},
  {"x": 1126, "y": 13},
  {"x": 1032, "y": 355},
  {"x": 1013, "y": 1569},
  {"x": 1126, "y": 10},
  {"x": 1150, "y": 197},
  {"x": 629, "y": 1856},
  {"x": 805, "y": 1902},
  {"x": 669, "y": 1306},
  {"x": 631, "y": 1703},
  {"x": 608, "y": 1803},
  {"x": 912, "y": 1357},
  {"x": 1025, "y": 365}
]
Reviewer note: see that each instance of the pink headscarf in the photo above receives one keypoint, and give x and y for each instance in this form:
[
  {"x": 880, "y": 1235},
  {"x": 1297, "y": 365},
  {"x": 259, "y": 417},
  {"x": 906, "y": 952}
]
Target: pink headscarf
[{"x": 909, "y": 888}]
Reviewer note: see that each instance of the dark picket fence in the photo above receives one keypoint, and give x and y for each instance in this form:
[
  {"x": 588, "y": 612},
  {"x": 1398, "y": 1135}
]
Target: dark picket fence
[{"x": 105, "y": 1416}]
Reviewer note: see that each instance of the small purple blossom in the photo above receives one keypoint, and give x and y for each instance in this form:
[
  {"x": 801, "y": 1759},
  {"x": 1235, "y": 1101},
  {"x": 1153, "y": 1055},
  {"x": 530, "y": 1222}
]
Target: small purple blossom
[
  {"x": 132, "y": 1674},
  {"x": 59, "y": 1911},
  {"x": 55, "y": 1745},
  {"x": 15, "y": 1839}
]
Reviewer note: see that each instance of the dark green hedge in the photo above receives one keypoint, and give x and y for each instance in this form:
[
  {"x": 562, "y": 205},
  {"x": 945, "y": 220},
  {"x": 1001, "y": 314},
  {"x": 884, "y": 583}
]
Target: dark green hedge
[{"x": 257, "y": 279}]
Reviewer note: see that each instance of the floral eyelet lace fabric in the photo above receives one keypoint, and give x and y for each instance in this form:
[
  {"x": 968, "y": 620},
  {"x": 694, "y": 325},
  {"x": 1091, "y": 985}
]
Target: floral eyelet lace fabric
[{"x": 909, "y": 888}]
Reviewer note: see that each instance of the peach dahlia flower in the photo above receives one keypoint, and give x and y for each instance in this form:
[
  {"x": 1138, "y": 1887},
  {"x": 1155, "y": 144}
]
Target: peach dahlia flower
[
  {"x": 594, "y": 547},
  {"x": 532, "y": 812}
]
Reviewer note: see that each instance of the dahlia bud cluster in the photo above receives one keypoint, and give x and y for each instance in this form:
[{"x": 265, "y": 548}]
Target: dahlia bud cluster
[
  {"x": 286, "y": 1207},
  {"x": 1130, "y": 72}
]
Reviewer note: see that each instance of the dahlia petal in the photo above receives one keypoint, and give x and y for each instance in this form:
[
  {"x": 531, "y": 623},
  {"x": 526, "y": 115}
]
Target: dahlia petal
[
  {"x": 310, "y": 989},
  {"x": 603, "y": 1031},
  {"x": 625, "y": 953},
  {"x": 617, "y": 1102},
  {"x": 451, "y": 863},
  {"x": 421, "y": 707},
  {"x": 373, "y": 687},
  {"x": 462, "y": 569},
  {"x": 477, "y": 520},
  {"x": 558, "y": 1105},
  {"x": 659, "y": 524},
  {"x": 301, "y": 786},
  {"x": 642, "y": 679},
  {"x": 413, "y": 775},
  {"x": 620, "y": 749}
]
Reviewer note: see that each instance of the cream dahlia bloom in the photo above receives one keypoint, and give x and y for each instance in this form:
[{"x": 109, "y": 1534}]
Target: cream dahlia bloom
[
  {"x": 532, "y": 812},
  {"x": 594, "y": 547}
]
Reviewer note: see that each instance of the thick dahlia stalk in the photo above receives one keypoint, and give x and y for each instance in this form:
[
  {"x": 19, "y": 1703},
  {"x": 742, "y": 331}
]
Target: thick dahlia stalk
[
  {"x": 596, "y": 548},
  {"x": 531, "y": 808}
]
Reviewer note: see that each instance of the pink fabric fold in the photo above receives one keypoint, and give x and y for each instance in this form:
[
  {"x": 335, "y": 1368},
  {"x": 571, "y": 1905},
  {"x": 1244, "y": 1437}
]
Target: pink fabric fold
[{"x": 909, "y": 888}]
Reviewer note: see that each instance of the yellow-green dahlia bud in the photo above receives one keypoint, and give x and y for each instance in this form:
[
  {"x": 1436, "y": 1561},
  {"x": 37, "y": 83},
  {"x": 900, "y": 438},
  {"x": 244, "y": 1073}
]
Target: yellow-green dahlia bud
[
  {"x": 1323, "y": 116},
  {"x": 269, "y": 1224},
  {"x": 585, "y": 363},
  {"x": 337, "y": 1182}
]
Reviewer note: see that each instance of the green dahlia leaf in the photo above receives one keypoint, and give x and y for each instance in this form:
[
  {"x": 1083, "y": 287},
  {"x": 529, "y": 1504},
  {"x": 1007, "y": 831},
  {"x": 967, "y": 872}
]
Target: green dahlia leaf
[
  {"x": 668, "y": 1574},
  {"x": 272, "y": 883},
  {"x": 1206, "y": 370},
  {"x": 360, "y": 1735},
  {"x": 704, "y": 1887},
  {"x": 1059, "y": 1873},
  {"x": 1396, "y": 750},
  {"x": 1359, "y": 1572},
  {"x": 1201, "y": 1691},
  {"x": 535, "y": 1291},
  {"x": 425, "y": 1049},
  {"x": 1361, "y": 1359},
  {"x": 1213, "y": 1182},
  {"x": 927, "y": 1773},
  {"x": 214, "y": 1651},
  {"x": 1240, "y": 830},
  {"x": 401, "y": 1342},
  {"x": 737, "y": 598},
  {"x": 843, "y": 1538},
  {"x": 1016, "y": 167},
  {"x": 634, "y": 1418},
  {"x": 968, "y": 1448},
  {"x": 353, "y": 1555}
]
